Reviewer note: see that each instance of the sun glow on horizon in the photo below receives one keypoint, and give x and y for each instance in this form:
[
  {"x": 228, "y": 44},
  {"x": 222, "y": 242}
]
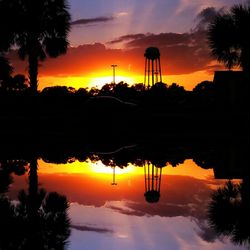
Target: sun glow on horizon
[
  {"x": 102, "y": 80},
  {"x": 188, "y": 81},
  {"x": 92, "y": 80},
  {"x": 88, "y": 167},
  {"x": 99, "y": 170}
]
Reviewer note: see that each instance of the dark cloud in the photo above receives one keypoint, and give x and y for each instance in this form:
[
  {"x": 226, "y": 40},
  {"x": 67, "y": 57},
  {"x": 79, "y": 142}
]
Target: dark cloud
[
  {"x": 92, "y": 229},
  {"x": 127, "y": 37},
  {"x": 206, "y": 16},
  {"x": 162, "y": 40},
  {"x": 92, "y": 20},
  {"x": 180, "y": 54}
]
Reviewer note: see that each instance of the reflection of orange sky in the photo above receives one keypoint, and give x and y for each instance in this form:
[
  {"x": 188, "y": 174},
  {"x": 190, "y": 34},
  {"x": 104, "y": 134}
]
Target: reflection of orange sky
[
  {"x": 189, "y": 81},
  {"x": 99, "y": 170},
  {"x": 90, "y": 183}
]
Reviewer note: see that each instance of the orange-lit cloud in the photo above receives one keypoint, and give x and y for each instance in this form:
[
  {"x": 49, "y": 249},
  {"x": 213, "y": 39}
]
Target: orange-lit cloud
[{"x": 180, "y": 54}]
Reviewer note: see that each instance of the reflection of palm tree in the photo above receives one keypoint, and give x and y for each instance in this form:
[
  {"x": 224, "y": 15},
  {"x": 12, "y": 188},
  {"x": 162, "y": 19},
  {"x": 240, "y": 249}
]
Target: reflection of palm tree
[
  {"x": 48, "y": 229},
  {"x": 229, "y": 37},
  {"x": 6, "y": 24},
  {"x": 229, "y": 212},
  {"x": 45, "y": 223},
  {"x": 113, "y": 181},
  {"x": 40, "y": 221},
  {"x": 42, "y": 30}
]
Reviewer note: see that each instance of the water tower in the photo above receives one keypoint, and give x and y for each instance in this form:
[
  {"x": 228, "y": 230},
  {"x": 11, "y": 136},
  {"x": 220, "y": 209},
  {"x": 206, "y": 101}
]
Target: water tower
[
  {"x": 152, "y": 73},
  {"x": 152, "y": 175}
]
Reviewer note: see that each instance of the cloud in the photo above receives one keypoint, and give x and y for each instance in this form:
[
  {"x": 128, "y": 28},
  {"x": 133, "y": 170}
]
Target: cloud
[
  {"x": 162, "y": 40},
  {"x": 100, "y": 19},
  {"x": 206, "y": 16},
  {"x": 122, "y": 13},
  {"x": 126, "y": 38},
  {"x": 92, "y": 229},
  {"x": 180, "y": 54},
  {"x": 198, "y": 5}
]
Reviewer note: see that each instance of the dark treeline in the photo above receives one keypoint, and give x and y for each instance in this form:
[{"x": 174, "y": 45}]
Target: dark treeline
[
  {"x": 205, "y": 154},
  {"x": 165, "y": 97},
  {"x": 116, "y": 110}
]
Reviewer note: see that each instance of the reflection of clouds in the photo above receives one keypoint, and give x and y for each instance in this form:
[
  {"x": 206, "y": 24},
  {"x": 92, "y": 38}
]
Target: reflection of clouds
[
  {"x": 205, "y": 231},
  {"x": 138, "y": 232},
  {"x": 123, "y": 207},
  {"x": 174, "y": 202}
]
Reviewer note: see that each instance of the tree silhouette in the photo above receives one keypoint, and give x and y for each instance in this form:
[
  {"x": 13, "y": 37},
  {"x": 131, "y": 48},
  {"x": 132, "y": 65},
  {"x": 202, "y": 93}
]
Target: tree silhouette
[
  {"x": 7, "y": 23},
  {"x": 7, "y": 167},
  {"x": 5, "y": 69},
  {"x": 48, "y": 229},
  {"x": 229, "y": 212},
  {"x": 38, "y": 221},
  {"x": 41, "y": 31},
  {"x": 15, "y": 83},
  {"x": 228, "y": 36}
]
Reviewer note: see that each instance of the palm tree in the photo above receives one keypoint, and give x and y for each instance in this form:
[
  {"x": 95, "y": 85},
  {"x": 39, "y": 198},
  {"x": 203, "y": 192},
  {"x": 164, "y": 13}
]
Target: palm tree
[
  {"x": 228, "y": 212},
  {"x": 229, "y": 37},
  {"x": 48, "y": 229},
  {"x": 6, "y": 24},
  {"x": 41, "y": 30},
  {"x": 43, "y": 218}
]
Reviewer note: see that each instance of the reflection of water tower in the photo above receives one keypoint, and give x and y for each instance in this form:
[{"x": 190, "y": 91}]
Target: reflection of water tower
[
  {"x": 152, "y": 176},
  {"x": 152, "y": 73}
]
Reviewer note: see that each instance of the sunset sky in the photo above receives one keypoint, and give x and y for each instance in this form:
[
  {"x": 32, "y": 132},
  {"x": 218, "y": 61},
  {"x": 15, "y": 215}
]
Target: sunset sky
[{"x": 106, "y": 32}]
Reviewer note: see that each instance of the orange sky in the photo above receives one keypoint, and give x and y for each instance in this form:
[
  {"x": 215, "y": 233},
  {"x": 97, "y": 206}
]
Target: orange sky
[{"x": 102, "y": 35}]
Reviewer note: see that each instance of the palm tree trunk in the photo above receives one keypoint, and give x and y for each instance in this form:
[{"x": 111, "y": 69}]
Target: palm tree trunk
[
  {"x": 34, "y": 223},
  {"x": 33, "y": 71},
  {"x": 245, "y": 59},
  {"x": 33, "y": 186}
]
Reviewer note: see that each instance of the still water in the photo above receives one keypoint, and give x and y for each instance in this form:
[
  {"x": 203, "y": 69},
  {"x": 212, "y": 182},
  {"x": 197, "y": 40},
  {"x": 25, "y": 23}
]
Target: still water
[{"x": 134, "y": 206}]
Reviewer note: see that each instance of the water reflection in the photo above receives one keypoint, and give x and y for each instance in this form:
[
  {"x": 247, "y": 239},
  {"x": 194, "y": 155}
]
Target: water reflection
[{"x": 161, "y": 198}]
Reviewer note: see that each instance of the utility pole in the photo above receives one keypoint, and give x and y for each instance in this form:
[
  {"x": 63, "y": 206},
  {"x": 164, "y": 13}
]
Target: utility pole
[{"x": 113, "y": 66}]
